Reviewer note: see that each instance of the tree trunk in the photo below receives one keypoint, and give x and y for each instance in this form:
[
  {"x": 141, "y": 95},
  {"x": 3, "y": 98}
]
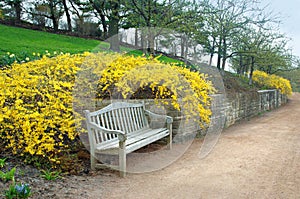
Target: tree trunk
[
  {"x": 240, "y": 68},
  {"x": 212, "y": 51},
  {"x": 210, "y": 59},
  {"x": 136, "y": 38},
  {"x": 18, "y": 10},
  {"x": 186, "y": 51},
  {"x": 143, "y": 41},
  {"x": 182, "y": 45},
  {"x": 224, "y": 62},
  {"x": 251, "y": 71},
  {"x": 114, "y": 27},
  {"x": 104, "y": 25},
  {"x": 150, "y": 41},
  {"x": 269, "y": 70},
  {"x": 55, "y": 24},
  {"x": 114, "y": 35},
  {"x": 224, "y": 56},
  {"x": 219, "y": 61},
  {"x": 53, "y": 18},
  {"x": 67, "y": 15},
  {"x": 219, "y": 53}
]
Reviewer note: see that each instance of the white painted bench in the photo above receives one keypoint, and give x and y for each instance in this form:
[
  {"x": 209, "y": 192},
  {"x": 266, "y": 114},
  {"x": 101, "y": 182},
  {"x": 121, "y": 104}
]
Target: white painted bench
[{"x": 122, "y": 128}]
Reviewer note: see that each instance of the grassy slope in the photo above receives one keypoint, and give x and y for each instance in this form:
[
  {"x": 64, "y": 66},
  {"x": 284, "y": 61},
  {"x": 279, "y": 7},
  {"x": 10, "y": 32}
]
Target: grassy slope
[
  {"x": 18, "y": 40},
  {"x": 23, "y": 41}
]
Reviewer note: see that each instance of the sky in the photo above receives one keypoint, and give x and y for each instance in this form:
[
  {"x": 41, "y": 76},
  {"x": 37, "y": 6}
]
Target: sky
[{"x": 289, "y": 11}]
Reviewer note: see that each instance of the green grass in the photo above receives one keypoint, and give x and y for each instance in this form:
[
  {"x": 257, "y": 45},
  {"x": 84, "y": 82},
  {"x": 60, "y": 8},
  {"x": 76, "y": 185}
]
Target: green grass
[
  {"x": 22, "y": 42},
  {"x": 163, "y": 59}
]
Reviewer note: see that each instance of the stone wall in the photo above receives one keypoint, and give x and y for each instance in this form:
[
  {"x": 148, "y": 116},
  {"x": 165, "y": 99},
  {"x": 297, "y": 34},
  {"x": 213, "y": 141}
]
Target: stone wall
[
  {"x": 227, "y": 110},
  {"x": 246, "y": 105},
  {"x": 230, "y": 108}
]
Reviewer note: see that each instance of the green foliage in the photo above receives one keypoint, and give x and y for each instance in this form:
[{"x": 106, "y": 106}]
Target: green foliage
[
  {"x": 18, "y": 191},
  {"x": 11, "y": 192},
  {"x": 7, "y": 176},
  {"x": 50, "y": 175},
  {"x": 293, "y": 76},
  {"x": 2, "y": 162},
  {"x": 14, "y": 191}
]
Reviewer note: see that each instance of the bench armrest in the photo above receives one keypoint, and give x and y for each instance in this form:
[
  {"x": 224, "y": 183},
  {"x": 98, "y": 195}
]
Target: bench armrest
[
  {"x": 168, "y": 119},
  {"x": 121, "y": 135}
]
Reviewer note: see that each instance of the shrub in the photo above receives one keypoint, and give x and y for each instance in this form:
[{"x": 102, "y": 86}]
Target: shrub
[
  {"x": 37, "y": 119},
  {"x": 272, "y": 82}
]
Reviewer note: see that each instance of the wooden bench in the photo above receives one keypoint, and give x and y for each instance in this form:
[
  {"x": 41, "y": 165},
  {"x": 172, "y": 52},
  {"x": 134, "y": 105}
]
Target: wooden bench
[{"x": 121, "y": 128}]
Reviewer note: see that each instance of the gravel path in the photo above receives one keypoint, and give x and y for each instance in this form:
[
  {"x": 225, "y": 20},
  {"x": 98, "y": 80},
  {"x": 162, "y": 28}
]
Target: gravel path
[{"x": 259, "y": 158}]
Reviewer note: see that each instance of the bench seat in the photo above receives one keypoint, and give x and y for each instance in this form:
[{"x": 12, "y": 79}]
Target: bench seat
[{"x": 134, "y": 141}]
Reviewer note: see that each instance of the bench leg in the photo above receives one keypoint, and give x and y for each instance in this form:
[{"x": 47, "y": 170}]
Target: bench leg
[
  {"x": 122, "y": 159},
  {"x": 93, "y": 160},
  {"x": 170, "y": 140}
]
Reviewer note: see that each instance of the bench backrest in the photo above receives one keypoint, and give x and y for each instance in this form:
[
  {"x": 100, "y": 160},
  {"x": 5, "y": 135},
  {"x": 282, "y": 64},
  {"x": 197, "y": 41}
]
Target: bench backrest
[{"x": 127, "y": 117}]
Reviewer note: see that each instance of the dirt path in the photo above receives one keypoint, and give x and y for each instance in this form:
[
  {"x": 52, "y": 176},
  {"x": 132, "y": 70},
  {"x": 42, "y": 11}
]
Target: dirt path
[{"x": 259, "y": 158}]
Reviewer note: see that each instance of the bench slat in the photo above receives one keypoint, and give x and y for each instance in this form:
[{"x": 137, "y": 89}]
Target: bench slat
[
  {"x": 115, "y": 119},
  {"x": 129, "y": 120},
  {"x": 109, "y": 136},
  {"x": 135, "y": 115},
  {"x": 105, "y": 138},
  {"x": 121, "y": 124},
  {"x": 98, "y": 136},
  {"x": 134, "y": 127},
  {"x": 115, "y": 106},
  {"x": 149, "y": 140},
  {"x": 140, "y": 118},
  {"x": 124, "y": 119},
  {"x": 144, "y": 136}
]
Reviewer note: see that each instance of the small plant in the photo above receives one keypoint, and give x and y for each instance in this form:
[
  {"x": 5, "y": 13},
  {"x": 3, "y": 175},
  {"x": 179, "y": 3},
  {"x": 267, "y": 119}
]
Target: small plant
[
  {"x": 2, "y": 162},
  {"x": 15, "y": 190},
  {"x": 18, "y": 191},
  {"x": 23, "y": 190},
  {"x": 50, "y": 175},
  {"x": 7, "y": 176},
  {"x": 11, "y": 192}
]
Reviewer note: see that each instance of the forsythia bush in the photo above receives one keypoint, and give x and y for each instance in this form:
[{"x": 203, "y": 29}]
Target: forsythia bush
[
  {"x": 36, "y": 98},
  {"x": 36, "y": 117},
  {"x": 272, "y": 81},
  {"x": 188, "y": 91}
]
